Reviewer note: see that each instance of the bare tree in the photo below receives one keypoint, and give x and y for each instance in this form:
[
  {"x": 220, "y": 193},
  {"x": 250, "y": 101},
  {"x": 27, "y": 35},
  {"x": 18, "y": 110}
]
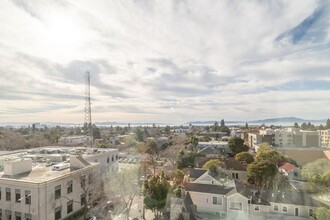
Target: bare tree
[
  {"x": 89, "y": 181},
  {"x": 125, "y": 186}
]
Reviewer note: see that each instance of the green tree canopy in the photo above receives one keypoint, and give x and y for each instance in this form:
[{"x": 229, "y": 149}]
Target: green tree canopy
[
  {"x": 244, "y": 157},
  {"x": 155, "y": 191},
  {"x": 262, "y": 172},
  {"x": 268, "y": 153},
  {"x": 296, "y": 125},
  {"x": 317, "y": 174},
  {"x": 213, "y": 165},
  {"x": 322, "y": 213},
  {"x": 237, "y": 145},
  {"x": 327, "y": 125}
]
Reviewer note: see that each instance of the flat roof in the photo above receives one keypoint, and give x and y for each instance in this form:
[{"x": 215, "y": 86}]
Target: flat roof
[{"x": 39, "y": 173}]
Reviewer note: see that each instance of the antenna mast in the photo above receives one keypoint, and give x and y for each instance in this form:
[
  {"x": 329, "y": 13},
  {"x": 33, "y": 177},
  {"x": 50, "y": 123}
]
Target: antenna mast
[{"x": 88, "y": 110}]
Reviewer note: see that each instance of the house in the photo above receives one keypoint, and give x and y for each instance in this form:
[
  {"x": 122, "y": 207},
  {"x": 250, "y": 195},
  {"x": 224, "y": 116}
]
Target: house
[
  {"x": 222, "y": 146},
  {"x": 233, "y": 168},
  {"x": 212, "y": 151},
  {"x": 289, "y": 170},
  {"x": 210, "y": 196}
]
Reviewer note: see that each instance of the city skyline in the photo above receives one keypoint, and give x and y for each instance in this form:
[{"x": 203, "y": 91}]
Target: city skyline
[{"x": 164, "y": 61}]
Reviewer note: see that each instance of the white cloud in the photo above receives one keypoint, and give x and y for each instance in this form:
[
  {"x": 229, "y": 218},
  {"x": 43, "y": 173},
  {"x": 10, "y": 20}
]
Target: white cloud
[{"x": 163, "y": 60}]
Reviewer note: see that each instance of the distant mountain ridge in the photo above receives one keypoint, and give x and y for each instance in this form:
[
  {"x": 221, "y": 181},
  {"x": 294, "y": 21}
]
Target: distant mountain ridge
[{"x": 285, "y": 120}]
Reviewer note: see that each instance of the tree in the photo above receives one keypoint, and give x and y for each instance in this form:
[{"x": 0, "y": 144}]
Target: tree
[
  {"x": 155, "y": 191},
  {"x": 186, "y": 160},
  {"x": 244, "y": 157},
  {"x": 327, "y": 125},
  {"x": 139, "y": 135},
  {"x": 167, "y": 130},
  {"x": 304, "y": 126},
  {"x": 123, "y": 186},
  {"x": 296, "y": 125},
  {"x": 270, "y": 154},
  {"x": 322, "y": 213},
  {"x": 262, "y": 172},
  {"x": 222, "y": 123},
  {"x": 237, "y": 145},
  {"x": 213, "y": 165},
  {"x": 317, "y": 174},
  {"x": 96, "y": 132},
  {"x": 90, "y": 186}
]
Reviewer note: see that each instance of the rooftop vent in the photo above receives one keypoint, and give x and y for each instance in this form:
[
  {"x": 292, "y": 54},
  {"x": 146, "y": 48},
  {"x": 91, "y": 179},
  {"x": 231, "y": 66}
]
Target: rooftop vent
[{"x": 15, "y": 167}]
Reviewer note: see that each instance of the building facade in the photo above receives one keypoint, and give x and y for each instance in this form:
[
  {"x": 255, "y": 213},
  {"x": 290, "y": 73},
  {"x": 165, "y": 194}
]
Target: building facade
[{"x": 36, "y": 190}]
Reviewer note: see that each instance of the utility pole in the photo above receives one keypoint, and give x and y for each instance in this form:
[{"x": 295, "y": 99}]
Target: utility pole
[{"x": 88, "y": 110}]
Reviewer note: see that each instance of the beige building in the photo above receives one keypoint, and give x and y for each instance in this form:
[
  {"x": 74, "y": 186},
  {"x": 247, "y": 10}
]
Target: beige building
[
  {"x": 324, "y": 138},
  {"x": 73, "y": 140},
  {"x": 33, "y": 189}
]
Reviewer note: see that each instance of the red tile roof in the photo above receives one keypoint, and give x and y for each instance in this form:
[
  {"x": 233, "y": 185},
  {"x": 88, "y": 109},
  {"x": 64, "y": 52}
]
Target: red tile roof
[{"x": 288, "y": 167}]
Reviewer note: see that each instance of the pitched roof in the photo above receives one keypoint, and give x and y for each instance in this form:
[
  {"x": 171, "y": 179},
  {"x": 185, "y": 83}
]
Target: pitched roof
[
  {"x": 195, "y": 173},
  {"x": 232, "y": 164},
  {"x": 212, "y": 150},
  {"x": 208, "y": 188},
  {"x": 288, "y": 167}
]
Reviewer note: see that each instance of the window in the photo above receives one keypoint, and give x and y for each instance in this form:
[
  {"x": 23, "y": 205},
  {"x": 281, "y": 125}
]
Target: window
[
  {"x": 83, "y": 182},
  {"x": 82, "y": 199},
  {"x": 0, "y": 214},
  {"x": 233, "y": 175},
  {"x": 27, "y": 216},
  {"x": 236, "y": 206},
  {"x": 28, "y": 197},
  {"x": 256, "y": 208},
  {"x": 217, "y": 201},
  {"x": 69, "y": 187},
  {"x": 90, "y": 178},
  {"x": 57, "y": 192},
  {"x": 8, "y": 214},
  {"x": 112, "y": 158},
  {"x": 69, "y": 206},
  {"x": 90, "y": 195},
  {"x": 276, "y": 208},
  {"x": 8, "y": 194},
  {"x": 58, "y": 213},
  {"x": 236, "y": 175},
  {"x": 0, "y": 193},
  {"x": 18, "y": 216},
  {"x": 108, "y": 159},
  {"x": 17, "y": 195},
  {"x": 285, "y": 209}
]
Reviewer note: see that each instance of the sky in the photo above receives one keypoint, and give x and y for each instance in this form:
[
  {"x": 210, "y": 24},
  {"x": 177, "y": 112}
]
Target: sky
[{"x": 164, "y": 61}]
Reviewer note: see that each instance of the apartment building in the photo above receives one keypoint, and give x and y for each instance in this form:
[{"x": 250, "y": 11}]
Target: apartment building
[
  {"x": 324, "y": 138},
  {"x": 32, "y": 188},
  {"x": 292, "y": 137},
  {"x": 264, "y": 136}
]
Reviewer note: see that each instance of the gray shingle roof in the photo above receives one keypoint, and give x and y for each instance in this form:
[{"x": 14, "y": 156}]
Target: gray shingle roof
[
  {"x": 265, "y": 197},
  {"x": 195, "y": 173},
  {"x": 208, "y": 188}
]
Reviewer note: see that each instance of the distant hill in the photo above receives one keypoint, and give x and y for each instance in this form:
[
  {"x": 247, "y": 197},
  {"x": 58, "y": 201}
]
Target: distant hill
[{"x": 269, "y": 121}]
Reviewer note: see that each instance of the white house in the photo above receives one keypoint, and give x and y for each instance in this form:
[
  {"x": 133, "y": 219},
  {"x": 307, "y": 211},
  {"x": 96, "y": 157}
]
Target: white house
[{"x": 210, "y": 197}]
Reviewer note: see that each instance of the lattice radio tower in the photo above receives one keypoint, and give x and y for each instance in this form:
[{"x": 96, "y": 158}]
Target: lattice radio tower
[{"x": 88, "y": 110}]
